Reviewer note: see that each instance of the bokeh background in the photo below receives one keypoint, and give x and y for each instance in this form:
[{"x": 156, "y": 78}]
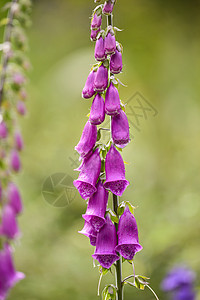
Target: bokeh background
[{"x": 161, "y": 62}]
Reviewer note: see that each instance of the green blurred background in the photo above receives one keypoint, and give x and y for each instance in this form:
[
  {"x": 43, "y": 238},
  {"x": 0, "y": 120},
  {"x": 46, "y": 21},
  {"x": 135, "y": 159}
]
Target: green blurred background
[{"x": 161, "y": 61}]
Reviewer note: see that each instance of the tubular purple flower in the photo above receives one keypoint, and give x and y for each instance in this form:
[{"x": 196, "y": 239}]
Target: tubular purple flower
[
  {"x": 89, "y": 174},
  {"x": 108, "y": 7},
  {"x": 112, "y": 100},
  {"x": 19, "y": 144},
  {"x": 3, "y": 130},
  {"x": 99, "y": 51},
  {"x": 97, "y": 113},
  {"x": 94, "y": 33},
  {"x": 15, "y": 161},
  {"x": 89, "y": 231},
  {"x": 14, "y": 198},
  {"x": 97, "y": 207},
  {"x": 116, "y": 62},
  {"x": 120, "y": 129},
  {"x": 87, "y": 140},
  {"x": 101, "y": 79},
  {"x": 105, "y": 244},
  {"x": 8, "y": 276},
  {"x": 21, "y": 108},
  {"x": 115, "y": 172},
  {"x": 184, "y": 293},
  {"x": 88, "y": 90},
  {"x": 96, "y": 22},
  {"x": 110, "y": 43},
  {"x": 128, "y": 243},
  {"x": 9, "y": 226}
]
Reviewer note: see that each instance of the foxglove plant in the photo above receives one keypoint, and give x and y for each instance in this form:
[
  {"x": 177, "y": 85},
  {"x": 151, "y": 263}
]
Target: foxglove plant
[
  {"x": 14, "y": 65},
  {"x": 113, "y": 231}
]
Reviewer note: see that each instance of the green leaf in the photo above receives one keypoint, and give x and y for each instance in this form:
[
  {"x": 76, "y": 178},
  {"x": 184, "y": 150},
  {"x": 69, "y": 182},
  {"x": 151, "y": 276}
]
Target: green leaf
[
  {"x": 113, "y": 216},
  {"x": 98, "y": 135},
  {"x": 4, "y": 21},
  {"x": 109, "y": 292}
]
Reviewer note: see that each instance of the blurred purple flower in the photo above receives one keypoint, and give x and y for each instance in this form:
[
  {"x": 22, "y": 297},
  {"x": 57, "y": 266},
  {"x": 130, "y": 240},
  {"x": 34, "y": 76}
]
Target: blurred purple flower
[
  {"x": 15, "y": 161},
  {"x": 19, "y": 144},
  {"x": 9, "y": 226},
  {"x": 14, "y": 198},
  {"x": 3, "y": 130},
  {"x": 21, "y": 108}
]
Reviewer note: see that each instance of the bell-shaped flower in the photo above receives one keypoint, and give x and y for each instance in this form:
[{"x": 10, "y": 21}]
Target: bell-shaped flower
[
  {"x": 120, "y": 129},
  {"x": 105, "y": 245},
  {"x": 115, "y": 172},
  {"x": 88, "y": 90},
  {"x": 128, "y": 243},
  {"x": 96, "y": 21},
  {"x": 88, "y": 176},
  {"x": 8, "y": 275},
  {"x": 14, "y": 198},
  {"x": 110, "y": 43},
  {"x": 116, "y": 62},
  {"x": 112, "y": 100},
  {"x": 90, "y": 232},
  {"x": 97, "y": 113},
  {"x": 3, "y": 130},
  {"x": 97, "y": 207},
  {"x": 9, "y": 226},
  {"x": 21, "y": 108},
  {"x": 15, "y": 161},
  {"x": 101, "y": 79},
  {"x": 108, "y": 7},
  {"x": 19, "y": 144},
  {"x": 87, "y": 140},
  {"x": 99, "y": 51},
  {"x": 94, "y": 33}
]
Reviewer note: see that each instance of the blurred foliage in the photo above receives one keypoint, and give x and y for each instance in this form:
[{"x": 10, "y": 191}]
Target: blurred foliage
[{"x": 161, "y": 61}]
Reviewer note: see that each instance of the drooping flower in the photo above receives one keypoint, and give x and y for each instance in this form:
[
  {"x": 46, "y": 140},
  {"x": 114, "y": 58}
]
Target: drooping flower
[
  {"x": 87, "y": 140},
  {"x": 101, "y": 79},
  {"x": 3, "y": 130},
  {"x": 21, "y": 108},
  {"x": 108, "y": 7},
  {"x": 14, "y": 198},
  {"x": 94, "y": 33},
  {"x": 88, "y": 176},
  {"x": 97, "y": 113},
  {"x": 97, "y": 207},
  {"x": 112, "y": 100},
  {"x": 90, "y": 232},
  {"x": 115, "y": 172},
  {"x": 19, "y": 144},
  {"x": 116, "y": 62},
  {"x": 9, "y": 226},
  {"x": 96, "y": 21},
  {"x": 8, "y": 276},
  {"x": 128, "y": 242},
  {"x": 105, "y": 244},
  {"x": 120, "y": 129},
  {"x": 99, "y": 51},
  {"x": 15, "y": 161},
  {"x": 184, "y": 293},
  {"x": 88, "y": 90},
  {"x": 110, "y": 43}
]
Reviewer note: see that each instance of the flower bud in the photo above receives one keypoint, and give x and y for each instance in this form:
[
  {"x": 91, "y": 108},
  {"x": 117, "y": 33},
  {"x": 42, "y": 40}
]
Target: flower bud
[
  {"x": 94, "y": 34},
  {"x": 116, "y": 62},
  {"x": 88, "y": 90},
  {"x": 108, "y": 7},
  {"x": 18, "y": 79},
  {"x": 110, "y": 43},
  {"x": 90, "y": 232},
  {"x": 112, "y": 101},
  {"x": 120, "y": 129},
  {"x": 3, "y": 130},
  {"x": 101, "y": 79},
  {"x": 9, "y": 226},
  {"x": 99, "y": 52},
  {"x": 21, "y": 108},
  {"x": 96, "y": 21},
  {"x": 19, "y": 144},
  {"x": 15, "y": 161},
  {"x": 97, "y": 113},
  {"x": 14, "y": 198}
]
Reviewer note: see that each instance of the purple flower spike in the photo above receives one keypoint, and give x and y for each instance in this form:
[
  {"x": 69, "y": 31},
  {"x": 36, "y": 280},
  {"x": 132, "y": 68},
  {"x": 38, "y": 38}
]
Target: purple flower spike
[
  {"x": 128, "y": 243},
  {"x": 110, "y": 43},
  {"x": 99, "y": 52},
  {"x": 120, "y": 129},
  {"x": 94, "y": 34},
  {"x": 88, "y": 139},
  {"x": 3, "y": 130},
  {"x": 15, "y": 161},
  {"x": 105, "y": 245},
  {"x": 9, "y": 226},
  {"x": 8, "y": 276},
  {"x": 101, "y": 79},
  {"x": 21, "y": 108},
  {"x": 112, "y": 101},
  {"x": 89, "y": 174},
  {"x": 97, "y": 207},
  {"x": 96, "y": 22},
  {"x": 115, "y": 172},
  {"x": 14, "y": 198},
  {"x": 97, "y": 113},
  {"x": 89, "y": 231},
  {"x": 88, "y": 90},
  {"x": 19, "y": 144},
  {"x": 108, "y": 7},
  {"x": 116, "y": 62}
]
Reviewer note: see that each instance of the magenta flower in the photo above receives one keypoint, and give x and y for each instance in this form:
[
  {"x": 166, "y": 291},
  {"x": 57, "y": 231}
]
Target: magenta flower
[
  {"x": 9, "y": 226},
  {"x": 128, "y": 243},
  {"x": 112, "y": 101},
  {"x": 3, "y": 130},
  {"x": 94, "y": 33},
  {"x": 88, "y": 176},
  {"x": 116, "y": 62},
  {"x": 101, "y": 79},
  {"x": 110, "y": 43},
  {"x": 88, "y": 90},
  {"x": 88, "y": 139},
  {"x": 99, "y": 52},
  {"x": 8, "y": 276},
  {"x": 97, "y": 207},
  {"x": 96, "y": 22},
  {"x": 21, "y": 108},
  {"x": 108, "y": 7},
  {"x": 14, "y": 198},
  {"x": 0, "y": 191},
  {"x": 97, "y": 113},
  {"x": 18, "y": 79},
  {"x": 90, "y": 232},
  {"x": 15, "y": 161},
  {"x": 19, "y": 144},
  {"x": 120, "y": 129},
  {"x": 115, "y": 172},
  {"x": 105, "y": 244}
]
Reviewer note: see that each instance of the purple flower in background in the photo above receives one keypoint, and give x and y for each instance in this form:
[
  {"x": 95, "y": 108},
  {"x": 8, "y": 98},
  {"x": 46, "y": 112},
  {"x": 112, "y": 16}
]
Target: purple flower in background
[
  {"x": 101, "y": 79},
  {"x": 99, "y": 51},
  {"x": 116, "y": 62},
  {"x": 120, "y": 129},
  {"x": 108, "y": 7},
  {"x": 14, "y": 198},
  {"x": 96, "y": 21},
  {"x": 128, "y": 243},
  {"x": 18, "y": 79},
  {"x": 97, "y": 207},
  {"x": 112, "y": 101},
  {"x": 0, "y": 191},
  {"x": 115, "y": 172},
  {"x": 21, "y": 108},
  {"x": 110, "y": 43},
  {"x": 8, "y": 276},
  {"x": 88, "y": 176},
  {"x": 97, "y": 113},
  {"x": 105, "y": 244},
  {"x": 88, "y": 90},
  {"x": 89, "y": 231},
  {"x": 88, "y": 139},
  {"x": 15, "y": 161},
  {"x": 94, "y": 33},
  {"x": 19, "y": 144},
  {"x": 9, "y": 226},
  {"x": 3, "y": 130}
]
